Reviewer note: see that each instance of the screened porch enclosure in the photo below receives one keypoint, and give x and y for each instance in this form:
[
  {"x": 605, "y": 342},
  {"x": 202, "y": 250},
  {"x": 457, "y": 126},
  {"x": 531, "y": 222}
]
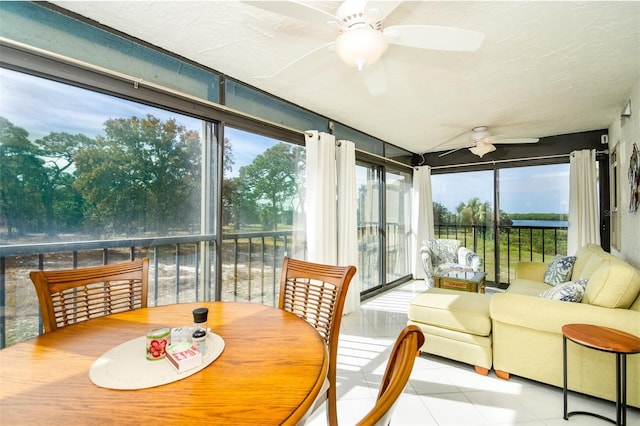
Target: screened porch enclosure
[{"x": 112, "y": 150}]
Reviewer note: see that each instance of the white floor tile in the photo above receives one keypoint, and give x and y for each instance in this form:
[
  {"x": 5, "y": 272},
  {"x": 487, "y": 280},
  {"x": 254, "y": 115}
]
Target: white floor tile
[
  {"x": 453, "y": 409},
  {"x": 499, "y": 407}
]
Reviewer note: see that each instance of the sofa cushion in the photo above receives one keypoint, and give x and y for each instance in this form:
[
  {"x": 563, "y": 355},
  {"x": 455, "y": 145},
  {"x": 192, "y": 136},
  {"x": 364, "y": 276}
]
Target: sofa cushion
[
  {"x": 615, "y": 284},
  {"x": 596, "y": 260},
  {"x": 452, "y": 309},
  {"x": 571, "y": 291},
  {"x": 582, "y": 257},
  {"x": 527, "y": 287},
  {"x": 531, "y": 270},
  {"x": 559, "y": 269}
]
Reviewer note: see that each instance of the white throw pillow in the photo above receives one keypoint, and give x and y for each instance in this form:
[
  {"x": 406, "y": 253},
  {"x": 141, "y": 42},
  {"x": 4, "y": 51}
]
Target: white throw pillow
[
  {"x": 559, "y": 269},
  {"x": 571, "y": 291}
]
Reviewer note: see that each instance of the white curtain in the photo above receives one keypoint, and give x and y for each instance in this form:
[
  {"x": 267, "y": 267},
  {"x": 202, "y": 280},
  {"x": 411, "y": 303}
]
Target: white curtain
[
  {"x": 321, "y": 225},
  {"x": 584, "y": 220},
  {"x": 422, "y": 216},
  {"x": 347, "y": 219}
]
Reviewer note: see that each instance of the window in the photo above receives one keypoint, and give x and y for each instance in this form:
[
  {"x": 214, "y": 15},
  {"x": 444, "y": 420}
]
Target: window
[
  {"x": 261, "y": 196},
  {"x": 117, "y": 172},
  {"x": 398, "y": 224},
  {"x": 463, "y": 210},
  {"x": 118, "y": 169},
  {"x": 527, "y": 220},
  {"x": 534, "y": 209},
  {"x": 368, "y": 179}
]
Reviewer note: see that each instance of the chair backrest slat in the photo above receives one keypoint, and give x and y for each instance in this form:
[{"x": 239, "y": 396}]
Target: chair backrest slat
[
  {"x": 73, "y": 295},
  {"x": 316, "y": 293}
]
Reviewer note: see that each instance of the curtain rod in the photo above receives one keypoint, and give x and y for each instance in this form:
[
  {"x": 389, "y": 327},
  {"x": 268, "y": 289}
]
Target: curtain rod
[
  {"x": 481, "y": 163},
  {"x": 407, "y": 166},
  {"x": 380, "y": 157}
]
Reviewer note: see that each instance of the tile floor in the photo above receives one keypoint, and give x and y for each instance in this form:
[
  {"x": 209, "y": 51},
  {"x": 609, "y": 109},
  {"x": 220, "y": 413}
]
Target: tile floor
[{"x": 440, "y": 391}]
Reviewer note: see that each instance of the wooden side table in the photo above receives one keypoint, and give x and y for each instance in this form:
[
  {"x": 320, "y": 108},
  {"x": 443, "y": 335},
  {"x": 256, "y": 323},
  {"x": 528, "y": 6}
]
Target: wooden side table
[
  {"x": 473, "y": 282},
  {"x": 607, "y": 340}
]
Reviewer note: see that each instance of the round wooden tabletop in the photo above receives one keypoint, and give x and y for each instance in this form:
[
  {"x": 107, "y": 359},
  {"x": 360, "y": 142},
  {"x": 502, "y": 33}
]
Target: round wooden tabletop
[
  {"x": 270, "y": 372},
  {"x": 602, "y": 338}
]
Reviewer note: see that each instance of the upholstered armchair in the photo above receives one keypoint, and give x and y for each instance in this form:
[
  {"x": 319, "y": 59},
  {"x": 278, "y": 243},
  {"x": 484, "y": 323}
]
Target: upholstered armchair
[{"x": 441, "y": 256}]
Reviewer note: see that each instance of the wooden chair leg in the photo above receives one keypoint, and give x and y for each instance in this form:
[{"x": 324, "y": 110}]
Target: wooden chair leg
[
  {"x": 481, "y": 370},
  {"x": 504, "y": 375},
  {"x": 332, "y": 409}
]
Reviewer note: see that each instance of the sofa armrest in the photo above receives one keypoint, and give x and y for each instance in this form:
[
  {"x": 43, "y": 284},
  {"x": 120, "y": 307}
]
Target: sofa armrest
[
  {"x": 550, "y": 315},
  {"x": 531, "y": 270}
]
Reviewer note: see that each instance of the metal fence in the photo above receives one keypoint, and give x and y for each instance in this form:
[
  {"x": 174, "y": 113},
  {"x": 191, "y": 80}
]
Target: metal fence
[
  {"x": 183, "y": 269},
  {"x": 502, "y": 247}
]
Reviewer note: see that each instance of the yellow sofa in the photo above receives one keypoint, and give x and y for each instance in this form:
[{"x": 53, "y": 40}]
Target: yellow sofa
[{"x": 527, "y": 337}]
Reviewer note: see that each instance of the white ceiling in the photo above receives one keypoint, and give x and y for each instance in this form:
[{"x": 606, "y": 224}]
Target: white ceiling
[{"x": 545, "y": 67}]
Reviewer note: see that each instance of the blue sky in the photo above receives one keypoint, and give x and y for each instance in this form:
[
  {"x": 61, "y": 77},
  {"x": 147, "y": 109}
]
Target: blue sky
[{"x": 536, "y": 189}]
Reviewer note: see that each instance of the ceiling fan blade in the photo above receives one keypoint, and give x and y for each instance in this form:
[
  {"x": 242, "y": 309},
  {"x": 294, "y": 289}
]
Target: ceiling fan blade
[
  {"x": 375, "y": 78},
  {"x": 503, "y": 139},
  {"x": 447, "y": 142},
  {"x": 455, "y": 149},
  {"x": 310, "y": 59},
  {"x": 297, "y": 10},
  {"x": 434, "y": 37}
]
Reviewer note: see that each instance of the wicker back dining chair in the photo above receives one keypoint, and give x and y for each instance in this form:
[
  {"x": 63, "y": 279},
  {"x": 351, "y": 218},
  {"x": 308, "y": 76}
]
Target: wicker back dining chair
[
  {"x": 316, "y": 293},
  {"x": 74, "y": 295},
  {"x": 396, "y": 376}
]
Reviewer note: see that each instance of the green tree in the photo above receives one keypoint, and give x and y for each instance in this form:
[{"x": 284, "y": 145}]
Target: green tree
[
  {"x": 505, "y": 219},
  {"x": 231, "y": 195},
  {"x": 474, "y": 212},
  {"x": 269, "y": 183},
  {"x": 20, "y": 175},
  {"x": 441, "y": 214},
  {"x": 141, "y": 176},
  {"x": 60, "y": 150}
]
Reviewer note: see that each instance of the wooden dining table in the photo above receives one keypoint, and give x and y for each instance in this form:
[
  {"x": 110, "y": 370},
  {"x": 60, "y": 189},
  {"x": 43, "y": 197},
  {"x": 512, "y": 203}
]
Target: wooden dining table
[{"x": 270, "y": 372}]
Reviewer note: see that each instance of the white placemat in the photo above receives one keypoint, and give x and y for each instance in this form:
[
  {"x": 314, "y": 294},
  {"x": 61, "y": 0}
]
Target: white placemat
[{"x": 126, "y": 367}]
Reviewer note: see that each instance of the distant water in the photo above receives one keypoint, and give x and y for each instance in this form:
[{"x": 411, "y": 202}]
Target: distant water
[{"x": 547, "y": 223}]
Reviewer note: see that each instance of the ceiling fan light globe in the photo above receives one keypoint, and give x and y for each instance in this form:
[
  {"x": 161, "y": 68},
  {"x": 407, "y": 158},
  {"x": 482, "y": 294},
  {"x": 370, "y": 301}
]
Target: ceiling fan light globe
[
  {"x": 360, "y": 47},
  {"x": 482, "y": 148}
]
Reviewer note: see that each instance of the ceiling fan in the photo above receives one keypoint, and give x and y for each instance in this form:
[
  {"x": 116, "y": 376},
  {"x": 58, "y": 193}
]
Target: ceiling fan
[
  {"x": 362, "y": 38},
  {"x": 481, "y": 141}
]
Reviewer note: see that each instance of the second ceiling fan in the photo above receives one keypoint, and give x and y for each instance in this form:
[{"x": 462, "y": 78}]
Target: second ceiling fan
[{"x": 482, "y": 142}]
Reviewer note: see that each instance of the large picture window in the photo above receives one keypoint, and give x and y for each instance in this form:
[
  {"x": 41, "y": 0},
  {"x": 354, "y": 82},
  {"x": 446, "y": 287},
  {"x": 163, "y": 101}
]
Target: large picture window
[
  {"x": 117, "y": 169},
  {"x": 262, "y": 192},
  {"x": 88, "y": 178},
  {"x": 505, "y": 215}
]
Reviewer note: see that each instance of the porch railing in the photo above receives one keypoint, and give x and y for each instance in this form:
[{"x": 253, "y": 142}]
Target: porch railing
[
  {"x": 502, "y": 247},
  {"x": 182, "y": 269}
]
